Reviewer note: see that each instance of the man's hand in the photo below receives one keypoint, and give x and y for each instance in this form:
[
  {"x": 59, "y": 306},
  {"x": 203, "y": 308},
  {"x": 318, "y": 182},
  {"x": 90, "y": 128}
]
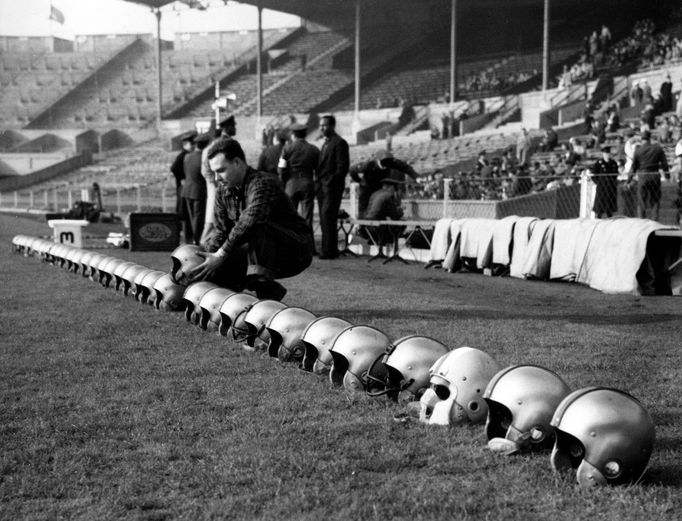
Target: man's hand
[{"x": 205, "y": 270}]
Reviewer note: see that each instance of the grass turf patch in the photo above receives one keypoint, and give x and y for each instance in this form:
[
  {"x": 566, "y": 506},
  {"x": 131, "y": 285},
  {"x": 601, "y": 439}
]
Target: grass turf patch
[{"x": 113, "y": 410}]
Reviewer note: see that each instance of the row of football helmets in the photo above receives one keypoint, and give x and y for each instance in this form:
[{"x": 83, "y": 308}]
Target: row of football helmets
[{"x": 605, "y": 435}]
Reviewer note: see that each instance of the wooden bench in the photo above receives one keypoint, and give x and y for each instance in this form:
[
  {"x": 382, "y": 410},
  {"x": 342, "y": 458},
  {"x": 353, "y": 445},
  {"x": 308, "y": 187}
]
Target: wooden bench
[{"x": 407, "y": 229}]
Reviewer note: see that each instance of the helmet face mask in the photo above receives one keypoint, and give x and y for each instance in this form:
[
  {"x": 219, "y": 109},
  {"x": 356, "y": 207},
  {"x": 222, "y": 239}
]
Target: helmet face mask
[
  {"x": 521, "y": 401},
  {"x": 604, "y": 435},
  {"x": 455, "y": 393}
]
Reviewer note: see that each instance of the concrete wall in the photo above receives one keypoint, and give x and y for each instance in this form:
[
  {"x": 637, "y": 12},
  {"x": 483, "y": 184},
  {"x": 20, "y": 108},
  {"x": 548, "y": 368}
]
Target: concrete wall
[
  {"x": 17, "y": 182},
  {"x": 23, "y": 164}
]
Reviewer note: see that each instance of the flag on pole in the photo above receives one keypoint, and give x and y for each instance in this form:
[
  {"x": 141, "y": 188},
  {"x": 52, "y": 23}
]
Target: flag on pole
[{"x": 56, "y": 15}]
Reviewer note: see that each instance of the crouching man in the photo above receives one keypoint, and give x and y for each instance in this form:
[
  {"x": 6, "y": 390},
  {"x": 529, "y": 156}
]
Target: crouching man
[{"x": 256, "y": 219}]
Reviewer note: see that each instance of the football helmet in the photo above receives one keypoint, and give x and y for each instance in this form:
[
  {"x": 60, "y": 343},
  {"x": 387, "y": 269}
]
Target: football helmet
[
  {"x": 192, "y": 296},
  {"x": 84, "y": 267},
  {"x": 18, "y": 242},
  {"x": 604, "y": 434},
  {"x": 231, "y": 310},
  {"x": 146, "y": 285},
  {"x": 94, "y": 261},
  {"x": 100, "y": 269},
  {"x": 184, "y": 259},
  {"x": 107, "y": 271},
  {"x": 353, "y": 351},
  {"x": 210, "y": 307},
  {"x": 75, "y": 260},
  {"x": 317, "y": 339},
  {"x": 128, "y": 278},
  {"x": 521, "y": 401},
  {"x": 70, "y": 258},
  {"x": 167, "y": 295},
  {"x": 117, "y": 272},
  {"x": 285, "y": 329},
  {"x": 456, "y": 385},
  {"x": 255, "y": 321},
  {"x": 404, "y": 368}
]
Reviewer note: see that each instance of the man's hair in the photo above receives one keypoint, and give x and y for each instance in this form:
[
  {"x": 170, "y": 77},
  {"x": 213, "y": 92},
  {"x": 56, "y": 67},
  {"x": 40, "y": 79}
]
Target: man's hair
[
  {"x": 230, "y": 147},
  {"x": 331, "y": 119}
]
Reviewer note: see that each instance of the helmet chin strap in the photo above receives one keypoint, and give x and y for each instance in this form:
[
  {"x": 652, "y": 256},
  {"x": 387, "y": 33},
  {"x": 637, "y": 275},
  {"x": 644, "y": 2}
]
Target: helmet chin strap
[{"x": 387, "y": 389}]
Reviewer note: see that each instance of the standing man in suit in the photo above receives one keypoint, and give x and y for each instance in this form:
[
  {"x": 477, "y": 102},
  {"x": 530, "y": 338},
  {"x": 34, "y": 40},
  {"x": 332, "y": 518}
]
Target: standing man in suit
[
  {"x": 178, "y": 166},
  {"x": 331, "y": 181},
  {"x": 296, "y": 168},
  {"x": 194, "y": 192}
]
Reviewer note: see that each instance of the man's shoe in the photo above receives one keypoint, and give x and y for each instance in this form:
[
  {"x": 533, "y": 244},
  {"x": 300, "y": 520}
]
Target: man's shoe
[{"x": 268, "y": 289}]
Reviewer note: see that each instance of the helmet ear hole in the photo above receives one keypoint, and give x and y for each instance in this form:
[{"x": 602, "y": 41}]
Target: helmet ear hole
[
  {"x": 309, "y": 356},
  {"x": 499, "y": 420},
  {"x": 275, "y": 343},
  {"x": 338, "y": 369}
]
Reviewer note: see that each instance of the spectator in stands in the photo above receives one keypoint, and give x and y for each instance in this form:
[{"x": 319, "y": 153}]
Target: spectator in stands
[
  {"x": 297, "y": 167},
  {"x": 331, "y": 182},
  {"x": 636, "y": 94},
  {"x": 384, "y": 205},
  {"x": 604, "y": 173},
  {"x": 647, "y": 96},
  {"x": 648, "y": 163},
  {"x": 521, "y": 182},
  {"x": 523, "y": 147},
  {"x": 664, "y": 130},
  {"x": 255, "y": 221},
  {"x": 369, "y": 175},
  {"x": 269, "y": 157},
  {"x": 178, "y": 168},
  {"x": 666, "y": 94},
  {"x": 613, "y": 119},
  {"x": 194, "y": 192},
  {"x": 549, "y": 141},
  {"x": 227, "y": 128}
]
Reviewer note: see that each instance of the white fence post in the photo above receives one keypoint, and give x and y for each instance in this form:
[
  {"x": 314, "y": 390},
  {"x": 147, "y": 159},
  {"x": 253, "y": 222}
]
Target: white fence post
[
  {"x": 118, "y": 201},
  {"x": 587, "y": 193},
  {"x": 69, "y": 198},
  {"x": 447, "y": 184},
  {"x": 55, "y": 200},
  {"x": 138, "y": 191},
  {"x": 16, "y": 199},
  {"x": 30, "y": 199},
  {"x": 46, "y": 199}
]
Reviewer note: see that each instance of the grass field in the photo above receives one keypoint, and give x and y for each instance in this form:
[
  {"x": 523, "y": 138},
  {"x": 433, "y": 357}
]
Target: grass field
[{"x": 112, "y": 410}]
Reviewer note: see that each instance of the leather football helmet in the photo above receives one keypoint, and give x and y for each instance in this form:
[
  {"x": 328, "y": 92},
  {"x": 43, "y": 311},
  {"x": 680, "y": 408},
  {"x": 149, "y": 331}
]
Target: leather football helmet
[
  {"x": 117, "y": 279},
  {"x": 128, "y": 278},
  {"x": 604, "y": 434},
  {"x": 108, "y": 269},
  {"x": 210, "y": 307},
  {"x": 70, "y": 257},
  {"x": 85, "y": 263},
  {"x": 521, "y": 401},
  {"x": 184, "y": 259},
  {"x": 100, "y": 273},
  {"x": 317, "y": 340},
  {"x": 146, "y": 285},
  {"x": 136, "y": 287},
  {"x": 255, "y": 321},
  {"x": 404, "y": 368},
  {"x": 75, "y": 260},
  {"x": 167, "y": 295},
  {"x": 353, "y": 351},
  {"x": 231, "y": 309},
  {"x": 192, "y": 296},
  {"x": 456, "y": 385},
  {"x": 285, "y": 329}
]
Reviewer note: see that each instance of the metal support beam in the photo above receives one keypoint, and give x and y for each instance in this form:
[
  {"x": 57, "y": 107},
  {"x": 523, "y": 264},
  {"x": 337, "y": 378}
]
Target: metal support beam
[
  {"x": 545, "y": 48},
  {"x": 259, "y": 65},
  {"x": 357, "y": 58},
  {"x": 453, "y": 51},
  {"x": 159, "y": 79}
]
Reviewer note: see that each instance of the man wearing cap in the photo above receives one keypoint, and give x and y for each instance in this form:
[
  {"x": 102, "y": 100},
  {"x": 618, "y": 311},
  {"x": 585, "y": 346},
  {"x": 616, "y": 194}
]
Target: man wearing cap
[
  {"x": 331, "y": 182},
  {"x": 255, "y": 219},
  {"x": 369, "y": 175},
  {"x": 296, "y": 168},
  {"x": 605, "y": 176},
  {"x": 648, "y": 162},
  {"x": 227, "y": 128},
  {"x": 385, "y": 204},
  {"x": 194, "y": 192},
  {"x": 178, "y": 169}
]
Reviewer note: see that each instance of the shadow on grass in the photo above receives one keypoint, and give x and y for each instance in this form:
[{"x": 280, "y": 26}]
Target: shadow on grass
[{"x": 488, "y": 314}]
